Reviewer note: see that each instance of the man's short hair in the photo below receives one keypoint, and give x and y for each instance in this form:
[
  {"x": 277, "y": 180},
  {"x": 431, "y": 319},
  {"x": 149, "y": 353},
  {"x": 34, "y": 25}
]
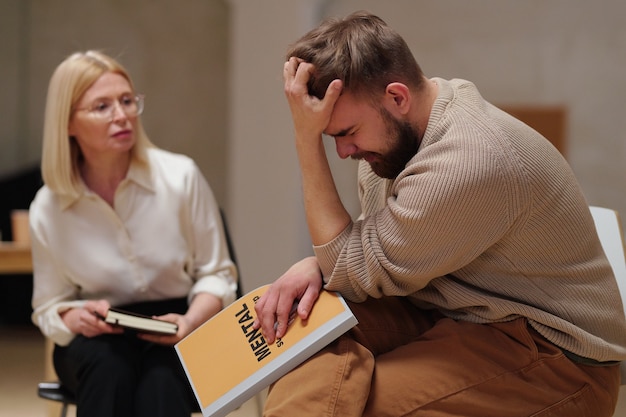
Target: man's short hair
[{"x": 362, "y": 51}]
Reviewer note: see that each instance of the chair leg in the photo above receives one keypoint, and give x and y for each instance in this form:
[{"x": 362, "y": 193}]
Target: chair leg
[{"x": 64, "y": 408}]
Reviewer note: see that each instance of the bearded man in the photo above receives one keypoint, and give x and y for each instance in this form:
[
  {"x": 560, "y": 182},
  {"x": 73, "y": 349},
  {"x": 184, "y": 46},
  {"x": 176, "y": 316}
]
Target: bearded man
[{"x": 475, "y": 269}]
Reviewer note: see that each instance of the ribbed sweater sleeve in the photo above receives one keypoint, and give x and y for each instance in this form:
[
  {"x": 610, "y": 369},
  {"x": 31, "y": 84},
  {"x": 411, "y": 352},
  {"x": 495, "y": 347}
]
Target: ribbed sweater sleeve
[{"x": 486, "y": 223}]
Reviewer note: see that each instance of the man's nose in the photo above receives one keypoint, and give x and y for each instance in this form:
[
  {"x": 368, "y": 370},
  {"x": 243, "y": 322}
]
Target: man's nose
[{"x": 345, "y": 148}]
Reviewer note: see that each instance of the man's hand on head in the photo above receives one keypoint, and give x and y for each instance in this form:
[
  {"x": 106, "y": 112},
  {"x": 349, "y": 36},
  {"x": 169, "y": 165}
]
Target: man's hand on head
[{"x": 310, "y": 114}]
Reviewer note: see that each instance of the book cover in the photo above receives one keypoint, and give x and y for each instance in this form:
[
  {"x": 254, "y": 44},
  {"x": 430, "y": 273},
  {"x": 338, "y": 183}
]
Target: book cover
[
  {"x": 228, "y": 362},
  {"x": 139, "y": 322}
]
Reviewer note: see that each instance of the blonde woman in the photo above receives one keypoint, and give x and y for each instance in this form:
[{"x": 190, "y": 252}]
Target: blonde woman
[{"x": 120, "y": 223}]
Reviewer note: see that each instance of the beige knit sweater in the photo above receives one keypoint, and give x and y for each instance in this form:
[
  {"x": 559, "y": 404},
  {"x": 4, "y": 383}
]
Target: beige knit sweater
[{"x": 486, "y": 223}]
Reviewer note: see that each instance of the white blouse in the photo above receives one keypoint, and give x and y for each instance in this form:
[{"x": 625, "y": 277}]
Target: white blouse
[{"x": 163, "y": 239}]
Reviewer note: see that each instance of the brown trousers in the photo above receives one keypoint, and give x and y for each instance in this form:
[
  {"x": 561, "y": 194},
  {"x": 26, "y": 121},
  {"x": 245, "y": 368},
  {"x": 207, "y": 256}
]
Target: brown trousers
[{"x": 403, "y": 361}]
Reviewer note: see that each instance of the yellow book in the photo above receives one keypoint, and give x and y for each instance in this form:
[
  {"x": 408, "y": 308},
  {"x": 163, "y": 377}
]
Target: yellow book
[{"x": 228, "y": 362}]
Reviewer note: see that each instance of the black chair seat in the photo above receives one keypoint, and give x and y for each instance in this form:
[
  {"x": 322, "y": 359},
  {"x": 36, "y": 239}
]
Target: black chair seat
[{"x": 55, "y": 391}]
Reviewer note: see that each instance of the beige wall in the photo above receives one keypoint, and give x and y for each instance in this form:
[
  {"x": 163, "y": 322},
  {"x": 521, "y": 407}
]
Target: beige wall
[{"x": 211, "y": 71}]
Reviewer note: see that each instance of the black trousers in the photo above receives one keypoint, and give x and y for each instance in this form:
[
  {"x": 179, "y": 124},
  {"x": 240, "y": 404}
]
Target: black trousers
[{"x": 123, "y": 376}]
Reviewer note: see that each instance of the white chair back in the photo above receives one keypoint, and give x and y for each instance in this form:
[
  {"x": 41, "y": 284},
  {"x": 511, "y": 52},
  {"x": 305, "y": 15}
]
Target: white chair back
[{"x": 610, "y": 232}]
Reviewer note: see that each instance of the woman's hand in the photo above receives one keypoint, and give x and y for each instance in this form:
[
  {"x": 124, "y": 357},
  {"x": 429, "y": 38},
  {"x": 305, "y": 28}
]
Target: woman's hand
[
  {"x": 87, "y": 320},
  {"x": 202, "y": 307},
  {"x": 184, "y": 328},
  {"x": 301, "y": 283}
]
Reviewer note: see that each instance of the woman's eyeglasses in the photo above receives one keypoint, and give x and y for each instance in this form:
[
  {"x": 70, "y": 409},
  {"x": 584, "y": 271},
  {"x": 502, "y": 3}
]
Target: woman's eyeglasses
[{"x": 105, "y": 109}]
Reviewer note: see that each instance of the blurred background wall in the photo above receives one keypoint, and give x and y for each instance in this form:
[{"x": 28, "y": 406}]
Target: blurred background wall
[{"x": 211, "y": 72}]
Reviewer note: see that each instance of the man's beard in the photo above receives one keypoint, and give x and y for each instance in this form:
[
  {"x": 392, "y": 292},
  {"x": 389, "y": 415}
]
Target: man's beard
[{"x": 404, "y": 142}]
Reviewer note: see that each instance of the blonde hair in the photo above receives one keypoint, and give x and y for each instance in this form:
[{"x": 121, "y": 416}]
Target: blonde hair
[{"x": 60, "y": 153}]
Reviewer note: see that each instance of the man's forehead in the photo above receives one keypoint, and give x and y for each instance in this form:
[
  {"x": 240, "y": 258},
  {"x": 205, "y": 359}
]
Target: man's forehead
[{"x": 348, "y": 112}]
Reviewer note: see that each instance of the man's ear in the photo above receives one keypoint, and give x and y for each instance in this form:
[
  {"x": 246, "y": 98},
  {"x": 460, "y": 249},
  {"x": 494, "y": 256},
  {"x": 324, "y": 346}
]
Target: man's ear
[{"x": 397, "y": 99}]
